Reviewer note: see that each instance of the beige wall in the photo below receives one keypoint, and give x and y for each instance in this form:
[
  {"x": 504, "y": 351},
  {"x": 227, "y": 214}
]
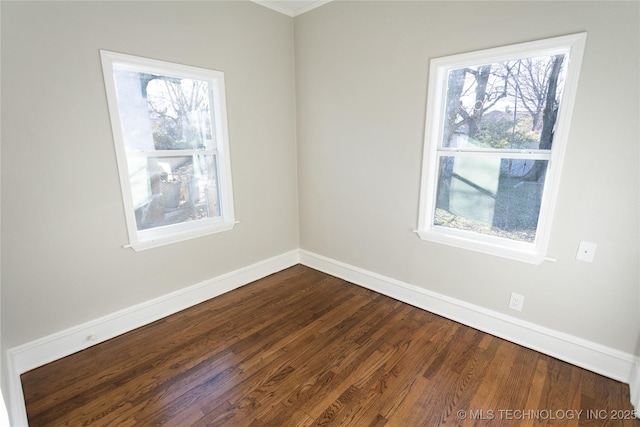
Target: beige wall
[
  {"x": 361, "y": 89},
  {"x": 63, "y": 224}
]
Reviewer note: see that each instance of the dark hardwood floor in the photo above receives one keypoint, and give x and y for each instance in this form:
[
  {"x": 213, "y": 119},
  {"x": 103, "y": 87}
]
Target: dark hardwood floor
[{"x": 301, "y": 348}]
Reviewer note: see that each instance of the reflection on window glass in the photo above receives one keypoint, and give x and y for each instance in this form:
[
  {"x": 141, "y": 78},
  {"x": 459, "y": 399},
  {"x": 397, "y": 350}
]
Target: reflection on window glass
[
  {"x": 172, "y": 190},
  {"x": 164, "y": 113},
  {"x": 489, "y": 196},
  {"x": 179, "y": 111}
]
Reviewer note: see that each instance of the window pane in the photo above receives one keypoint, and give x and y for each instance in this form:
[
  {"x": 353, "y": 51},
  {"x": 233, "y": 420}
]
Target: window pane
[
  {"x": 491, "y": 196},
  {"x": 179, "y": 111},
  {"x": 163, "y": 113},
  {"x": 504, "y": 105},
  {"x": 173, "y": 190}
]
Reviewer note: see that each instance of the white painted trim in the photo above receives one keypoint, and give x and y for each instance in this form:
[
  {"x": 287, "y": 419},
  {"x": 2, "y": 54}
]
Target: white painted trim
[
  {"x": 577, "y": 351},
  {"x": 163, "y": 235},
  {"x": 55, "y": 346},
  {"x": 275, "y": 6},
  {"x": 535, "y": 252},
  {"x": 580, "y": 352},
  {"x": 634, "y": 386},
  {"x": 4, "y": 415},
  {"x": 291, "y": 10},
  {"x": 314, "y": 4}
]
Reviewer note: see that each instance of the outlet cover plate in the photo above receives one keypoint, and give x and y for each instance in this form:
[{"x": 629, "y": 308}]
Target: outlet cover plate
[
  {"x": 586, "y": 251},
  {"x": 516, "y": 301}
]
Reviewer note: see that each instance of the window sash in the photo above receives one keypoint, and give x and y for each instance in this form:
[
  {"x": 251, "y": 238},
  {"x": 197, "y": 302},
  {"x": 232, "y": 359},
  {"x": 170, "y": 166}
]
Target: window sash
[
  {"x": 171, "y": 153},
  {"x": 572, "y": 46},
  {"x": 486, "y": 196},
  {"x": 512, "y": 154},
  {"x": 219, "y": 152}
]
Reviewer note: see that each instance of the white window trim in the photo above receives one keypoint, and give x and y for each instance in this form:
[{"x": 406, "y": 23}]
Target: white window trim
[
  {"x": 533, "y": 253},
  {"x": 160, "y": 236}
]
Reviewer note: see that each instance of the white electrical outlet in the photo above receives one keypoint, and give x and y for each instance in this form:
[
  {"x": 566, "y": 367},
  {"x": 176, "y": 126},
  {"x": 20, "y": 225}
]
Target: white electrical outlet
[
  {"x": 586, "y": 251},
  {"x": 516, "y": 302}
]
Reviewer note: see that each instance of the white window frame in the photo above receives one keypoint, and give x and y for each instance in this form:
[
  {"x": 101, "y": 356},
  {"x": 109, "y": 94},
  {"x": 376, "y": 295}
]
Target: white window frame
[
  {"x": 163, "y": 235},
  {"x": 536, "y": 252}
]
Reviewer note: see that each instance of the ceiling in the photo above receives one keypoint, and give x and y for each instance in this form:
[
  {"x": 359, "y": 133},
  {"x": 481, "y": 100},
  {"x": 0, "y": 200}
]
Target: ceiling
[{"x": 291, "y": 7}]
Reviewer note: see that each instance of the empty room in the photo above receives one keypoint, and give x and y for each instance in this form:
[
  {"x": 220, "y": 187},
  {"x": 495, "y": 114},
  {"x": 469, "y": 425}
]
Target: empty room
[{"x": 283, "y": 213}]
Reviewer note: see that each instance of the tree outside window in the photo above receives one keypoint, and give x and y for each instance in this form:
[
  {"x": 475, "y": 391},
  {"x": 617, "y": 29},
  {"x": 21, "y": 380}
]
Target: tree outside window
[
  {"x": 169, "y": 125},
  {"x": 492, "y": 132}
]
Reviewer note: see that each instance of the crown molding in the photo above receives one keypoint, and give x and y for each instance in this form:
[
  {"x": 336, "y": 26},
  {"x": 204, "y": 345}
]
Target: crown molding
[{"x": 292, "y": 8}]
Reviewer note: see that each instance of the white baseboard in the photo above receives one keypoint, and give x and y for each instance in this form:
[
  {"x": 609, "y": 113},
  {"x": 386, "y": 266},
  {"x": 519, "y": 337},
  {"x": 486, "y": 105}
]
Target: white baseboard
[
  {"x": 44, "y": 350},
  {"x": 595, "y": 357},
  {"x": 577, "y": 351},
  {"x": 634, "y": 386}
]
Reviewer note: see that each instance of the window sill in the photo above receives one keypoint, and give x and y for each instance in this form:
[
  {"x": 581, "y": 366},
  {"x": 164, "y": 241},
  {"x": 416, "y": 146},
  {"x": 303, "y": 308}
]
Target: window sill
[
  {"x": 525, "y": 256},
  {"x": 180, "y": 237}
]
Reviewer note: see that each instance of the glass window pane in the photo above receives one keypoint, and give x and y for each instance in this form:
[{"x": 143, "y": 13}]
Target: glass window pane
[
  {"x": 504, "y": 105},
  {"x": 133, "y": 111},
  {"x": 491, "y": 196},
  {"x": 179, "y": 111},
  {"x": 159, "y": 112},
  {"x": 173, "y": 190}
]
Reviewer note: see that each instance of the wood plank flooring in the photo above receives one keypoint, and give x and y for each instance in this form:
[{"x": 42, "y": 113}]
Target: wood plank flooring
[{"x": 302, "y": 348}]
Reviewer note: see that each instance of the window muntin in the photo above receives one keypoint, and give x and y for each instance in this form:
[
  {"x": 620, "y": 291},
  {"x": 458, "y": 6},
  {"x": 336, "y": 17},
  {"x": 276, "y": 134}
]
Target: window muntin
[
  {"x": 496, "y": 122},
  {"x": 169, "y": 125}
]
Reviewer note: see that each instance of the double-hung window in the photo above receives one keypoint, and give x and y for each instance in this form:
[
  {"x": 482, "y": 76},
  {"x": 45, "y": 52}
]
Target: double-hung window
[
  {"x": 496, "y": 129},
  {"x": 171, "y": 140}
]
